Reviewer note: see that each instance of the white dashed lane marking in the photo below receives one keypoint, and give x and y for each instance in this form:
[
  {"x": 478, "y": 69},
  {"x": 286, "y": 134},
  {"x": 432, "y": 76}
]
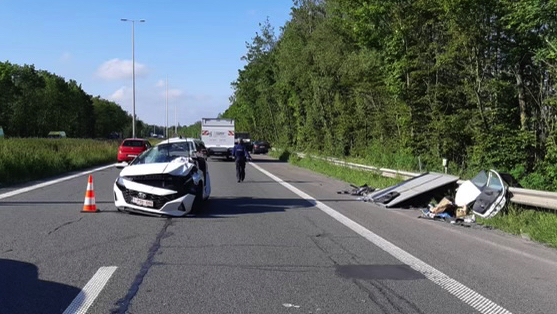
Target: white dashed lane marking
[{"x": 91, "y": 291}]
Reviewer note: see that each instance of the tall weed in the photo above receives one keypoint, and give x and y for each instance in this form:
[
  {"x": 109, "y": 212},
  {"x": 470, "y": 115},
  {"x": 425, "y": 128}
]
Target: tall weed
[{"x": 24, "y": 159}]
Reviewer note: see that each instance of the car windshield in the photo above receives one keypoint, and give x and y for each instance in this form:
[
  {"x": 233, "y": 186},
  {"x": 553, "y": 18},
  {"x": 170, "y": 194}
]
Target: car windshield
[{"x": 165, "y": 153}]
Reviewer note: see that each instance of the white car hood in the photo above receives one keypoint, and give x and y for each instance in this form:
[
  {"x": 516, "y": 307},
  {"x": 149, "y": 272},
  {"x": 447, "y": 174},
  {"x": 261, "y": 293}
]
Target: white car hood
[
  {"x": 179, "y": 166},
  {"x": 176, "y": 167}
]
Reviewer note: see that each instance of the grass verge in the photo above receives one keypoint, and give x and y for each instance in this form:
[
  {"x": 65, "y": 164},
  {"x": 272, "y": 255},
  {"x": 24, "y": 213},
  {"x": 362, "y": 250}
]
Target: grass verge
[
  {"x": 536, "y": 225},
  {"x": 25, "y": 159},
  {"x": 352, "y": 176}
]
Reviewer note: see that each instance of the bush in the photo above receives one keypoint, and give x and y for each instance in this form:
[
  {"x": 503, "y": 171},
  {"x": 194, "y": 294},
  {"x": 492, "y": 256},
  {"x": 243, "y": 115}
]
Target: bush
[{"x": 285, "y": 155}]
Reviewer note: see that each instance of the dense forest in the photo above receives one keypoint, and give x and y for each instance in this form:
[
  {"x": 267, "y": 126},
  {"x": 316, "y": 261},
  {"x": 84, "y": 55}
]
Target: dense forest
[
  {"x": 35, "y": 102},
  {"x": 393, "y": 80}
]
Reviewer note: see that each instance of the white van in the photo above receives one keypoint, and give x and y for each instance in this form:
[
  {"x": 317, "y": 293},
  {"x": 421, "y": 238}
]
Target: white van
[{"x": 218, "y": 136}]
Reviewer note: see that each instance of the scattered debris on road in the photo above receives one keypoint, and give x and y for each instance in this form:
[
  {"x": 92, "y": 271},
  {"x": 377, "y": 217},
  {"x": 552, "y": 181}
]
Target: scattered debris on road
[
  {"x": 358, "y": 190},
  {"x": 485, "y": 195},
  {"x": 448, "y": 211},
  {"x": 290, "y": 305}
]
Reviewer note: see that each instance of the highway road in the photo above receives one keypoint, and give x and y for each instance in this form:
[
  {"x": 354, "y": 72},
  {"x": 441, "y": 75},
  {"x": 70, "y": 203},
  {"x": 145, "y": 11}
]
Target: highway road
[{"x": 260, "y": 246}]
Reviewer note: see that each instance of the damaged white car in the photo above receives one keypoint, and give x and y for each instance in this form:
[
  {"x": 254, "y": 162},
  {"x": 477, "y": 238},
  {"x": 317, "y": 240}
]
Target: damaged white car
[
  {"x": 170, "y": 179},
  {"x": 488, "y": 192}
]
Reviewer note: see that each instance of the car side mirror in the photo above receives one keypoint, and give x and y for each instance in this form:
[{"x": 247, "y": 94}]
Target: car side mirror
[{"x": 121, "y": 165}]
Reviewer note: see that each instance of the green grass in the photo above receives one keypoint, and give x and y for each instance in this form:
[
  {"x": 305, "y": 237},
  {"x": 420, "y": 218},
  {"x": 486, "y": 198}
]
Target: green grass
[
  {"x": 25, "y": 159},
  {"x": 539, "y": 226},
  {"x": 352, "y": 176}
]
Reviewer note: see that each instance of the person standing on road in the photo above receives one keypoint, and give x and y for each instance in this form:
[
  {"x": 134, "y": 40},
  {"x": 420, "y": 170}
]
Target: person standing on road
[{"x": 240, "y": 154}]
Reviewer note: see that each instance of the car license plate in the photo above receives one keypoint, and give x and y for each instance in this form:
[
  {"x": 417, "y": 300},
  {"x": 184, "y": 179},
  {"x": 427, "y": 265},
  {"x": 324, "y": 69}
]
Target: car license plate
[
  {"x": 132, "y": 156},
  {"x": 261, "y": 146},
  {"x": 141, "y": 202}
]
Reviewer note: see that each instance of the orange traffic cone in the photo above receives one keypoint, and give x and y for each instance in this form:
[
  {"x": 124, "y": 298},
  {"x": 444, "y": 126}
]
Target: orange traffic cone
[{"x": 89, "y": 204}]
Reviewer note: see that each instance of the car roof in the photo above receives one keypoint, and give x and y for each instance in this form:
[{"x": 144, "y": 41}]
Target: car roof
[
  {"x": 177, "y": 140},
  {"x": 135, "y": 139}
]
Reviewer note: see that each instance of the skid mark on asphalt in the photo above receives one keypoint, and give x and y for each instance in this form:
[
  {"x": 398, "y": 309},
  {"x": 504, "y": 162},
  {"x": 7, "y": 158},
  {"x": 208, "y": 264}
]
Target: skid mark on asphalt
[
  {"x": 124, "y": 303},
  {"x": 386, "y": 299},
  {"x": 62, "y": 225}
]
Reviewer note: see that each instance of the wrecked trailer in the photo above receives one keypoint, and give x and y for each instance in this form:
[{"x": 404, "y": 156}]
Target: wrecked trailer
[{"x": 415, "y": 192}]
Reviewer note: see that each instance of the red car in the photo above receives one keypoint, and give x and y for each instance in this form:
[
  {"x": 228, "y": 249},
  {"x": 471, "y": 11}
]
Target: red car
[{"x": 131, "y": 148}]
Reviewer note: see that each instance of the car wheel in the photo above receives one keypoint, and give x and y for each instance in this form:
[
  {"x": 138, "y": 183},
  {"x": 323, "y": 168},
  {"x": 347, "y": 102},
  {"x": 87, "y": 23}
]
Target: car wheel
[
  {"x": 204, "y": 196},
  {"x": 198, "y": 201}
]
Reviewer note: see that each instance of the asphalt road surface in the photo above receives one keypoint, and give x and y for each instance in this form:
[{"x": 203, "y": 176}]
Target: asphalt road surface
[{"x": 259, "y": 247}]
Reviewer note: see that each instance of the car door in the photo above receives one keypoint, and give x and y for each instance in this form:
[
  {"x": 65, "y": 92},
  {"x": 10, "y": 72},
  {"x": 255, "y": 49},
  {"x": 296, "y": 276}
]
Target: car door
[
  {"x": 469, "y": 191},
  {"x": 201, "y": 149},
  {"x": 493, "y": 197}
]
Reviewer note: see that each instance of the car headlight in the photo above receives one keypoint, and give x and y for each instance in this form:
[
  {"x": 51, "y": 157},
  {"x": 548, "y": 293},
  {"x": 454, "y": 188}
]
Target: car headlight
[{"x": 120, "y": 182}]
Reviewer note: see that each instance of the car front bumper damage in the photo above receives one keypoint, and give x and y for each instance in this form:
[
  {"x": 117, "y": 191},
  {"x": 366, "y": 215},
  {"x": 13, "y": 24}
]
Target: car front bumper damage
[{"x": 136, "y": 197}]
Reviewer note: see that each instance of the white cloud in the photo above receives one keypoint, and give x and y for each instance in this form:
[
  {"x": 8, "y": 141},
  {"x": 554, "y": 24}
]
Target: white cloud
[
  {"x": 160, "y": 83},
  {"x": 173, "y": 94},
  {"x": 123, "y": 93},
  {"x": 66, "y": 56},
  {"x": 199, "y": 98},
  {"x": 150, "y": 104},
  {"x": 120, "y": 69}
]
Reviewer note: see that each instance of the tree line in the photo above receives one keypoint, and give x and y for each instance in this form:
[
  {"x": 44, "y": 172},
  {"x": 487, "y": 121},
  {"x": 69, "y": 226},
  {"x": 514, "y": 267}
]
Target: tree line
[
  {"x": 34, "y": 102},
  {"x": 393, "y": 80}
]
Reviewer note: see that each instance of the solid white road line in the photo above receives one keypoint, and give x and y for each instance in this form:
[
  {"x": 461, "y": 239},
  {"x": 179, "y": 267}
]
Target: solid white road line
[
  {"x": 462, "y": 292},
  {"x": 42, "y": 185},
  {"x": 91, "y": 291}
]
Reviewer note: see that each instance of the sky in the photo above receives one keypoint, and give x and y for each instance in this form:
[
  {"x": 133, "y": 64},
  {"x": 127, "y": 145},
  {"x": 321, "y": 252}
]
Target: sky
[{"x": 196, "y": 44}]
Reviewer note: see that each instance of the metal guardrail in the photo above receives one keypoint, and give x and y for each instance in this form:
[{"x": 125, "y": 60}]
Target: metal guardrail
[
  {"x": 382, "y": 171},
  {"x": 534, "y": 198}
]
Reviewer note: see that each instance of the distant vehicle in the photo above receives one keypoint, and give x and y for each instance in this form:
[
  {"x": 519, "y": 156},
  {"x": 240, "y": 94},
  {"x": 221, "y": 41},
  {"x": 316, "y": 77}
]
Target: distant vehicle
[
  {"x": 56, "y": 134},
  {"x": 260, "y": 147},
  {"x": 245, "y": 137},
  {"x": 114, "y": 135},
  {"x": 218, "y": 136},
  {"x": 131, "y": 148},
  {"x": 169, "y": 179}
]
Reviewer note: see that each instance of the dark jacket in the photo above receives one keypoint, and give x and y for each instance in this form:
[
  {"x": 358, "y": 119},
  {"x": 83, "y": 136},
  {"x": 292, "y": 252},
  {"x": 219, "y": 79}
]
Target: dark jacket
[{"x": 240, "y": 152}]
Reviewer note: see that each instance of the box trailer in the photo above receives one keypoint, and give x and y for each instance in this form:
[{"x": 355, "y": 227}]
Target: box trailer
[{"x": 218, "y": 136}]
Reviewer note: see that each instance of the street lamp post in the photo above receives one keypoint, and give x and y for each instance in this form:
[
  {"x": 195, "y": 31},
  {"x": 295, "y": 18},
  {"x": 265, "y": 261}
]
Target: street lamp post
[
  {"x": 166, "y": 106},
  {"x": 133, "y": 70}
]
